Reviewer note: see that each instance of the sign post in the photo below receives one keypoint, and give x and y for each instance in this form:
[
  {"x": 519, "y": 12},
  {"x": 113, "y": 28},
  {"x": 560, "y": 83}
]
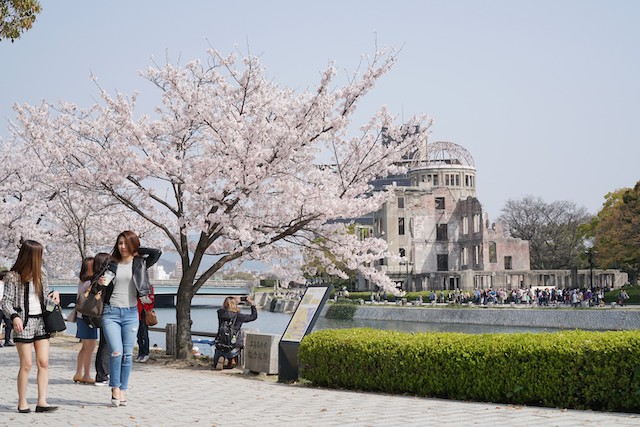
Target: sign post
[{"x": 301, "y": 323}]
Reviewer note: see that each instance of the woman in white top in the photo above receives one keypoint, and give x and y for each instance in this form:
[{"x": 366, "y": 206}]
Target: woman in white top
[
  {"x": 120, "y": 314},
  {"x": 25, "y": 298}
]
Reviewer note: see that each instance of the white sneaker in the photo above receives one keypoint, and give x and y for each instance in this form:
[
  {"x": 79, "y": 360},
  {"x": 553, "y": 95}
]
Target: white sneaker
[
  {"x": 102, "y": 383},
  {"x": 144, "y": 359}
]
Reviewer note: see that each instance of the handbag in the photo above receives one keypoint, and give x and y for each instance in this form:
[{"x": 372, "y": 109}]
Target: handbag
[
  {"x": 90, "y": 302},
  {"x": 53, "y": 320},
  {"x": 150, "y": 318}
]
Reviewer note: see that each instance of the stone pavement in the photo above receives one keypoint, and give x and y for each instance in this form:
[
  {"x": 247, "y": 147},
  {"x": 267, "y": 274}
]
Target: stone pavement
[{"x": 161, "y": 395}]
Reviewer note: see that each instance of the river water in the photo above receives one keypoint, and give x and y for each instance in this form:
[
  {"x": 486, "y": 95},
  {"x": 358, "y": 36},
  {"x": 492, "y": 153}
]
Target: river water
[{"x": 205, "y": 319}]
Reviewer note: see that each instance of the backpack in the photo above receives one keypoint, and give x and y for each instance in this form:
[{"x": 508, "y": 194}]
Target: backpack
[{"x": 228, "y": 335}]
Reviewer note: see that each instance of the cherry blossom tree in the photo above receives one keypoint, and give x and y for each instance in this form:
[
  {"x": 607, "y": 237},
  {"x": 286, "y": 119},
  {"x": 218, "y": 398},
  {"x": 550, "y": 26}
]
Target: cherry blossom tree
[
  {"x": 232, "y": 165},
  {"x": 41, "y": 205}
]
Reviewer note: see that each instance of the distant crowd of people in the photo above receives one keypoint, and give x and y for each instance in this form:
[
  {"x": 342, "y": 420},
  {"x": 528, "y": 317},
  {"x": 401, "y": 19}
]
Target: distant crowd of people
[{"x": 530, "y": 296}]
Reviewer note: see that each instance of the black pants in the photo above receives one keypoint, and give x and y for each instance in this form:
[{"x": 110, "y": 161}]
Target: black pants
[
  {"x": 7, "y": 327},
  {"x": 143, "y": 336},
  {"x": 102, "y": 360}
]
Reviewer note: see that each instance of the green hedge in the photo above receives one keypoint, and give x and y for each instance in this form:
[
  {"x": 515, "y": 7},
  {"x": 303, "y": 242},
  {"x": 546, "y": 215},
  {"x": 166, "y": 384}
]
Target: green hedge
[
  {"x": 632, "y": 291},
  {"x": 575, "y": 369},
  {"x": 341, "y": 311},
  {"x": 409, "y": 296}
]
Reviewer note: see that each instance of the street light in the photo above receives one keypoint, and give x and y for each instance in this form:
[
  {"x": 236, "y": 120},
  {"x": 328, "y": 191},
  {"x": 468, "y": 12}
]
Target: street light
[
  {"x": 407, "y": 275},
  {"x": 590, "y": 252},
  {"x": 406, "y": 282}
]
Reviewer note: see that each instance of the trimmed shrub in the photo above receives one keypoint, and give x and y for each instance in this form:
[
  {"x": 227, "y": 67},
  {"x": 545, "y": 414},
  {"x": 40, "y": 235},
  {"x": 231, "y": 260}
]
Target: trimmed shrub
[
  {"x": 410, "y": 296},
  {"x": 341, "y": 311},
  {"x": 360, "y": 295},
  {"x": 575, "y": 369}
]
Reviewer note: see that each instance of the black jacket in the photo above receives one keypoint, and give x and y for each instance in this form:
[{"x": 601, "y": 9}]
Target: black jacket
[
  {"x": 224, "y": 314},
  {"x": 145, "y": 259}
]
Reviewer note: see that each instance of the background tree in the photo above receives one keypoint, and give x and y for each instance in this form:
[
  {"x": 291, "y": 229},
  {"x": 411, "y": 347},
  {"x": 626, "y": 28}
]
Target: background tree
[
  {"x": 556, "y": 240},
  {"x": 232, "y": 165},
  {"x": 616, "y": 230},
  {"x": 69, "y": 221},
  {"x": 16, "y": 17},
  {"x": 331, "y": 270}
]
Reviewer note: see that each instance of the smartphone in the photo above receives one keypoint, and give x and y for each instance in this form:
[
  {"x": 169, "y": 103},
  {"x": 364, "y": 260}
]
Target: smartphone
[{"x": 243, "y": 299}]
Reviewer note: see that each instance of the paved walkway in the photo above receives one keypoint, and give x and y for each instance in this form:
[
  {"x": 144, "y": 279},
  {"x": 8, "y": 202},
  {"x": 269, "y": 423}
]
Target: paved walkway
[{"x": 167, "y": 396}]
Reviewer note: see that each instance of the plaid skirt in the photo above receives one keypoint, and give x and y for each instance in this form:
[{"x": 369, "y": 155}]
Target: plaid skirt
[{"x": 32, "y": 331}]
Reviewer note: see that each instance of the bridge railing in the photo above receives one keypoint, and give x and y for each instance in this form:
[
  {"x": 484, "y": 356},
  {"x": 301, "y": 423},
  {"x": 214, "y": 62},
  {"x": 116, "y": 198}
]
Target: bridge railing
[{"x": 211, "y": 283}]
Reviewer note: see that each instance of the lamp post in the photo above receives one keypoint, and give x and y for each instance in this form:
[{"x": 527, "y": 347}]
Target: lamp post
[
  {"x": 590, "y": 252},
  {"x": 405, "y": 282},
  {"x": 407, "y": 275}
]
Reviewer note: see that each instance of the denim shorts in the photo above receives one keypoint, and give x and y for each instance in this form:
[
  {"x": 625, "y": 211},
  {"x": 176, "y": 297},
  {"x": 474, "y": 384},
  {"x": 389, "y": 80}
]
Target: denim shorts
[{"x": 84, "y": 332}]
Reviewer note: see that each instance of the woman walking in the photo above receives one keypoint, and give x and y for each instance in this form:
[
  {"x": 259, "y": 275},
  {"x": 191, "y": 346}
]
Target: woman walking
[
  {"x": 26, "y": 295},
  {"x": 120, "y": 314},
  {"x": 85, "y": 330}
]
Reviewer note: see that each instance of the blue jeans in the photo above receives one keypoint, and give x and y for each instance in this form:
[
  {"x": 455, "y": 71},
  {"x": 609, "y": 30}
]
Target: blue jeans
[
  {"x": 120, "y": 326},
  {"x": 227, "y": 355}
]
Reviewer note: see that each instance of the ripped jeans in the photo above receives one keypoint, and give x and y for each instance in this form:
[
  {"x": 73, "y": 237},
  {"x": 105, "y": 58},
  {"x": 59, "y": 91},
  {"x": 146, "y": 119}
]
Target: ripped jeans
[{"x": 120, "y": 327}]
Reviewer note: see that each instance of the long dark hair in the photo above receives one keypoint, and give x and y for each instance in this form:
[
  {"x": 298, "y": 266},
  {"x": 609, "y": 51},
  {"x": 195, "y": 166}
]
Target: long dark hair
[
  {"x": 100, "y": 263},
  {"x": 86, "y": 270},
  {"x": 131, "y": 240},
  {"x": 29, "y": 264}
]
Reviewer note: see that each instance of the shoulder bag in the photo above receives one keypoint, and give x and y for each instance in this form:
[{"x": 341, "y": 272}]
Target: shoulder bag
[{"x": 90, "y": 302}]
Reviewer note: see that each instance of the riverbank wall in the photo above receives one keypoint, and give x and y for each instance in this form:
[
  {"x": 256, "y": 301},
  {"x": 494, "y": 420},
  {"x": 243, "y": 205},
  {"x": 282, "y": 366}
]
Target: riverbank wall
[
  {"x": 616, "y": 319},
  {"x": 564, "y": 317},
  {"x": 277, "y": 303}
]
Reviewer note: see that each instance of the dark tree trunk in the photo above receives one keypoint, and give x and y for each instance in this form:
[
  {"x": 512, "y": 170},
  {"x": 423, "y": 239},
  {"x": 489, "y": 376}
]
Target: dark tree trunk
[{"x": 183, "y": 316}]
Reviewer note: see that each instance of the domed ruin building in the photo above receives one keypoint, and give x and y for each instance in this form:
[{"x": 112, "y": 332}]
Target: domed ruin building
[{"x": 441, "y": 236}]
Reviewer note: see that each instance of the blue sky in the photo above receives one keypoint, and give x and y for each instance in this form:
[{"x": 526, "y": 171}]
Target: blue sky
[{"x": 544, "y": 94}]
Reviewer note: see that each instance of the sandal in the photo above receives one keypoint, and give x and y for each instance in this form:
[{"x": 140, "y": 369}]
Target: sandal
[{"x": 115, "y": 401}]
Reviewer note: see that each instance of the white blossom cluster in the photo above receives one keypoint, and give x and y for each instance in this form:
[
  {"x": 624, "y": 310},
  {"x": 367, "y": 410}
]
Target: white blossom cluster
[{"x": 226, "y": 165}]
